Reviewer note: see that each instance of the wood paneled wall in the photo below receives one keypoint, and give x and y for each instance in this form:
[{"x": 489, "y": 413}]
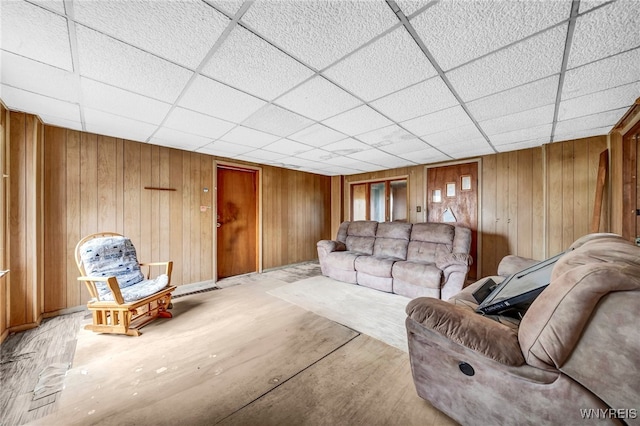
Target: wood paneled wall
[
  {"x": 4, "y": 215},
  {"x": 534, "y": 202}
]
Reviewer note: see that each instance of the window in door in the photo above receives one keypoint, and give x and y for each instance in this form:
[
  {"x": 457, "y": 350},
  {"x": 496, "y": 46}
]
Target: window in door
[{"x": 382, "y": 201}]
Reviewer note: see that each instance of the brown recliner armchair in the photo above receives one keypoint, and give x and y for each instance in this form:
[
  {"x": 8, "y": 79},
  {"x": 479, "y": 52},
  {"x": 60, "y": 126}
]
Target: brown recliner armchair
[{"x": 574, "y": 356}]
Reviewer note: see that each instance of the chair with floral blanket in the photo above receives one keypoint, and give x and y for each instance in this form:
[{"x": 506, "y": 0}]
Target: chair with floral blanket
[{"x": 123, "y": 300}]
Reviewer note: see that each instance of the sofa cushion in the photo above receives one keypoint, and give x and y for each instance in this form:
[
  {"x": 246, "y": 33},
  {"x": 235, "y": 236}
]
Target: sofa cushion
[
  {"x": 113, "y": 256},
  {"x": 361, "y": 235},
  {"x": 418, "y": 273},
  {"x": 430, "y": 241},
  {"x": 344, "y": 260},
  {"x": 376, "y": 266},
  {"x": 392, "y": 239}
]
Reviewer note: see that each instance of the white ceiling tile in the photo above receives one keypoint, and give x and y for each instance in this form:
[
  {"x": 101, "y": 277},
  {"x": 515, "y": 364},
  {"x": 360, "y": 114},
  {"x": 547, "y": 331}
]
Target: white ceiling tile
[
  {"x": 298, "y": 163},
  {"x": 177, "y": 139},
  {"x": 346, "y": 146},
  {"x": 216, "y": 99},
  {"x": 54, "y": 5},
  {"x": 225, "y": 149},
  {"x": 420, "y": 99},
  {"x": 108, "y": 60},
  {"x": 483, "y": 26},
  {"x": 320, "y": 32},
  {"x": 29, "y": 75},
  {"x": 318, "y": 99},
  {"x": 117, "y": 101},
  {"x": 426, "y": 156},
  {"x": 249, "y": 137},
  {"x": 317, "y": 135},
  {"x": 529, "y": 60},
  {"x": 456, "y": 135},
  {"x": 318, "y": 155},
  {"x": 623, "y": 96},
  {"x": 103, "y": 123},
  {"x": 358, "y": 120},
  {"x": 351, "y": 163},
  {"x": 436, "y": 122},
  {"x": 602, "y": 119},
  {"x": 262, "y": 156},
  {"x": 380, "y": 158},
  {"x": 468, "y": 148},
  {"x": 35, "y": 33},
  {"x": 598, "y": 76},
  {"x": 586, "y": 5},
  {"x": 533, "y": 143},
  {"x": 404, "y": 147},
  {"x": 337, "y": 171},
  {"x": 20, "y": 100},
  {"x": 569, "y": 134},
  {"x": 246, "y": 61},
  {"x": 393, "y": 140},
  {"x": 532, "y": 95},
  {"x": 287, "y": 146},
  {"x": 180, "y": 31},
  {"x": 229, "y": 6},
  {"x": 605, "y": 31},
  {"x": 409, "y": 7},
  {"x": 391, "y": 63},
  {"x": 521, "y": 120},
  {"x": 197, "y": 123},
  {"x": 540, "y": 134},
  {"x": 61, "y": 122},
  {"x": 278, "y": 121}
]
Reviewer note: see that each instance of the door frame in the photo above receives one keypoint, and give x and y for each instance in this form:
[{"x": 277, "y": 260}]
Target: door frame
[
  {"x": 348, "y": 189},
  {"x": 240, "y": 166},
  {"x": 478, "y": 260}
]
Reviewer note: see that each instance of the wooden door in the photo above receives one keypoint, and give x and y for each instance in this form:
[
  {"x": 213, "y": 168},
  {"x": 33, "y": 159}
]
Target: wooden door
[
  {"x": 237, "y": 221},
  {"x": 452, "y": 196}
]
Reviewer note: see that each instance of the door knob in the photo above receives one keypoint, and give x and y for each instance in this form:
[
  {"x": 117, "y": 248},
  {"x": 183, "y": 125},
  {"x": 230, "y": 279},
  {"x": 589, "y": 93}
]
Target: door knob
[{"x": 218, "y": 225}]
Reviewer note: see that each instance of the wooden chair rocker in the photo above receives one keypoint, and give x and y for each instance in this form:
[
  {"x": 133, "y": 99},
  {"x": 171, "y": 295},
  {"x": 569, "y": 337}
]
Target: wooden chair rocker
[{"x": 123, "y": 300}]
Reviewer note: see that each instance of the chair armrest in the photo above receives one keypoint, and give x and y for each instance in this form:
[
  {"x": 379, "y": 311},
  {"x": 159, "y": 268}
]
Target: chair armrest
[
  {"x": 168, "y": 268},
  {"x": 467, "y": 328},
  {"x": 112, "y": 283},
  {"x": 511, "y": 264}
]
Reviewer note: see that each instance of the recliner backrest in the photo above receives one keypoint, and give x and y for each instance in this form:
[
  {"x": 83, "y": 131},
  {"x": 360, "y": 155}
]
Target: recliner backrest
[
  {"x": 361, "y": 235},
  {"x": 392, "y": 239},
  {"x": 430, "y": 240}
]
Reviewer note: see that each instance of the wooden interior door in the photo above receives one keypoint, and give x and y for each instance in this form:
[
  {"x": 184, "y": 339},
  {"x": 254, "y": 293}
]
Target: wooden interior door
[
  {"x": 452, "y": 196},
  {"x": 237, "y": 221}
]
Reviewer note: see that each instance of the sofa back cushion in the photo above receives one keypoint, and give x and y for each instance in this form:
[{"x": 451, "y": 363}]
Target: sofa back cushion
[
  {"x": 392, "y": 239},
  {"x": 557, "y": 319},
  {"x": 112, "y": 256},
  {"x": 430, "y": 240},
  {"x": 361, "y": 236}
]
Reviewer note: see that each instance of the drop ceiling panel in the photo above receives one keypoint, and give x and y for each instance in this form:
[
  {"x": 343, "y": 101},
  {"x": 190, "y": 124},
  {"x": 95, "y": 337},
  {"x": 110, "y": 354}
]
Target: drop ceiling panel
[
  {"x": 261, "y": 156},
  {"x": 246, "y": 61},
  {"x": 278, "y": 121},
  {"x": 169, "y": 26},
  {"x": 20, "y": 100},
  {"x": 532, "y": 95},
  {"x": 603, "y": 119},
  {"x": 249, "y": 137},
  {"x": 623, "y": 96},
  {"x": 117, "y": 101},
  {"x": 225, "y": 149},
  {"x": 54, "y": 5},
  {"x": 37, "y": 77},
  {"x": 351, "y": 163},
  {"x": 35, "y": 33},
  {"x": 391, "y": 63},
  {"x": 107, "y": 124},
  {"x": 61, "y": 122},
  {"x": 533, "y": 143},
  {"x": 318, "y": 99},
  {"x": 337, "y": 170},
  {"x": 177, "y": 139},
  {"x": 346, "y": 147},
  {"x": 540, "y": 134},
  {"x": 212, "y": 98},
  {"x": 381, "y": 158},
  {"x": 358, "y": 120},
  {"x": 420, "y": 99},
  {"x": 569, "y": 134},
  {"x": 317, "y": 135},
  {"x": 465, "y": 150},
  {"x": 436, "y": 122},
  {"x": 105, "y": 59},
  {"x": 287, "y": 146},
  {"x": 393, "y": 140},
  {"x": 520, "y": 120},
  {"x": 426, "y": 156},
  {"x": 521, "y": 63},
  {"x": 460, "y": 134},
  {"x": 197, "y": 123},
  {"x": 598, "y": 76},
  {"x": 605, "y": 31},
  {"x": 229, "y": 6},
  {"x": 483, "y": 27},
  {"x": 404, "y": 147},
  {"x": 318, "y": 155},
  {"x": 410, "y": 7},
  {"x": 319, "y": 32}
]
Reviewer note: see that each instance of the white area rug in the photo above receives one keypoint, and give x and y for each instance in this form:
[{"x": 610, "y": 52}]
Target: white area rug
[{"x": 371, "y": 312}]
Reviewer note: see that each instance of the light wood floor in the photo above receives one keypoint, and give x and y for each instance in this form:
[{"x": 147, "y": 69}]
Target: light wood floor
[{"x": 232, "y": 356}]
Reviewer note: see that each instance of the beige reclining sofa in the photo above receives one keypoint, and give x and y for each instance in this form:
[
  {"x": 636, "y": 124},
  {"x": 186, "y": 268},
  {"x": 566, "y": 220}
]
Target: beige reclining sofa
[
  {"x": 572, "y": 359},
  {"x": 413, "y": 260}
]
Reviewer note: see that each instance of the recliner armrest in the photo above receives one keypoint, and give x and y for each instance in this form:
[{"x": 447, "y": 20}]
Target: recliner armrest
[
  {"x": 467, "y": 328},
  {"x": 511, "y": 264},
  {"x": 450, "y": 259},
  {"x": 330, "y": 246}
]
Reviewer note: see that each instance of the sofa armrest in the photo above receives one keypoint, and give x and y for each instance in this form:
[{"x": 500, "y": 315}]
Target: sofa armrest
[
  {"x": 451, "y": 259},
  {"x": 329, "y": 246},
  {"x": 511, "y": 264},
  {"x": 467, "y": 328}
]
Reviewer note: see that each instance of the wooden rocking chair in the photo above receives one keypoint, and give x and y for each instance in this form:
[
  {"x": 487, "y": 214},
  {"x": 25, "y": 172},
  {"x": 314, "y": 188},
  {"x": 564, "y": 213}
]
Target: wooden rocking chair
[{"x": 123, "y": 300}]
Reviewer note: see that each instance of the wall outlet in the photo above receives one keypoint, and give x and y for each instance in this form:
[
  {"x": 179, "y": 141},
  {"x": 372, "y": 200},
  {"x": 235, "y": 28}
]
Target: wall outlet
[{"x": 418, "y": 209}]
